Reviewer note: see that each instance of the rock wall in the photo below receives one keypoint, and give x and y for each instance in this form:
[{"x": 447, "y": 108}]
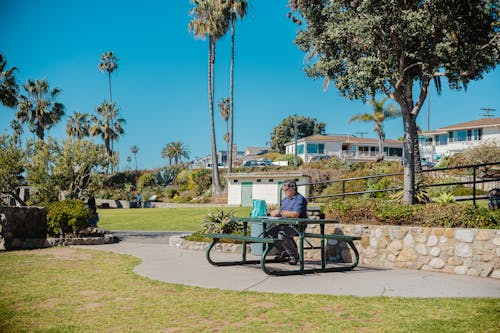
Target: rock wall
[
  {"x": 22, "y": 227},
  {"x": 474, "y": 252}
]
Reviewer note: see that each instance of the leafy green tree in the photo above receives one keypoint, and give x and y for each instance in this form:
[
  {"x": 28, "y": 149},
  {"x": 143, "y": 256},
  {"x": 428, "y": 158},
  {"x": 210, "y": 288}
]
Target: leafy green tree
[
  {"x": 8, "y": 85},
  {"x": 108, "y": 63},
  {"x": 39, "y": 157},
  {"x": 134, "y": 150},
  {"x": 75, "y": 163},
  {"x": 397, "y": 48},
  {"x": 237, "y": 10},
  {"x": 210, "y": 20},
  {"x": 78, "y": 125},
  {"x": 379, "y": 115},
  {"x": 11, "y": 167},
  {"x": 39, "y": 108},
  {"x": 285, "y": 131}
]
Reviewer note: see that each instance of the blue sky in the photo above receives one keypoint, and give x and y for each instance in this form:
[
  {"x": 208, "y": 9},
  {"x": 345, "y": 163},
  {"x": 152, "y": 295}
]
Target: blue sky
[{"x": 161, "y": 82}]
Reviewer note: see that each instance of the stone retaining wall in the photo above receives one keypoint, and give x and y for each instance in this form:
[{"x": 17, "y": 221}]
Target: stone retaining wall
[
  {"x": 22, "y": 227},
  {"x": 474, "y": 252}
]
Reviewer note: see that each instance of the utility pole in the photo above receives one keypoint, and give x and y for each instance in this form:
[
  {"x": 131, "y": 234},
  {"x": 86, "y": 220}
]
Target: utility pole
[
  {"x": 361, "y": 134},
  {"x": 295, "y": 159}
]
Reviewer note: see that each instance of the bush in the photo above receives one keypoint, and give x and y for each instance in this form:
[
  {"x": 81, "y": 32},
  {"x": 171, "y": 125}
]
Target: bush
[
  {"x": 146, "y": 180},
  {"x": 67, "y": 217}
]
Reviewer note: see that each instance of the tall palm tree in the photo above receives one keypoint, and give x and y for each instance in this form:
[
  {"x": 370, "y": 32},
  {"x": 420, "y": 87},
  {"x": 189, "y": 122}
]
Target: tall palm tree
[
  {"x": 8, "y": 85},
  {"x": 379, "y": 115},
  {"x": 210, "y": 20},
  {"x": 237, "y": 9},
  {"x": 225, "y": 111},
  {"x": 39, "y": 108},
  {"x": 134, "y": 150},
  {"x": 107, "y": 125},
  {"x": 78, "y": 125},
  {"x": 108, "y": 63}
]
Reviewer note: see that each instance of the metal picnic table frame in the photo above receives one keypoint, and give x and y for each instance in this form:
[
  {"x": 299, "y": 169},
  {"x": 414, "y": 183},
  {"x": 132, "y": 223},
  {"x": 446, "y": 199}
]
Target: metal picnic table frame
[{"x": 300, "y": 225}]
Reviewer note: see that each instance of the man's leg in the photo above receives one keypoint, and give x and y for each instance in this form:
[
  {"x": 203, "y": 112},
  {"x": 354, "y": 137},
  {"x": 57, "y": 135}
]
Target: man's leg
[
  {"x": 286, "y": 234},
  {"x": 274, "y": 232}
]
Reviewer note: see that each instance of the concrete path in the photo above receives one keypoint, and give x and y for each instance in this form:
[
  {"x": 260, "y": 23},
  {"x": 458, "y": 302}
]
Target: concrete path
[{"x": 161, "y": 261}]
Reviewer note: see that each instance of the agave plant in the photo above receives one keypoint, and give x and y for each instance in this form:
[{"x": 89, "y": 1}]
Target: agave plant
[
  {"x": 445, "y": 198},
  {"x": 219, "y": 221}
]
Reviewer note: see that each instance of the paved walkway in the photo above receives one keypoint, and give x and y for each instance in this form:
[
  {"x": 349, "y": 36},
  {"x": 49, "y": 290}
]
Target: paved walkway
[{"x": 161, "y": 261}]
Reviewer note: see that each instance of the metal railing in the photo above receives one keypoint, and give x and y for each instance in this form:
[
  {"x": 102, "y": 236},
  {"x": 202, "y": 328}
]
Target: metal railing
[{"x": 478, "y": 175}]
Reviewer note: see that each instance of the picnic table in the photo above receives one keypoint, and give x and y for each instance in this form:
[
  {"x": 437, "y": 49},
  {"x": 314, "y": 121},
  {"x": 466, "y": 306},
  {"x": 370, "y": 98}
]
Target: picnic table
[{"x": 300, "y": 225}]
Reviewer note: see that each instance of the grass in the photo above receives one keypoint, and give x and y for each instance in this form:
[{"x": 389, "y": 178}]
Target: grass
[
  {"x": 79, "y": 290},
  {"x": 159, "y": 219}
]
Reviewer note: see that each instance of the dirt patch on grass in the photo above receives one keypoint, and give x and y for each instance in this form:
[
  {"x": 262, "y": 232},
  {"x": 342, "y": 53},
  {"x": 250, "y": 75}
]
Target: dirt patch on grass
[{"x": 64, "y": 253}]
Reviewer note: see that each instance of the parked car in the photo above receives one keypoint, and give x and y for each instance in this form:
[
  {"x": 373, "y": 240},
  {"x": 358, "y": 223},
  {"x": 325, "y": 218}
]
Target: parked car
[{"x": 257, "y": 163}]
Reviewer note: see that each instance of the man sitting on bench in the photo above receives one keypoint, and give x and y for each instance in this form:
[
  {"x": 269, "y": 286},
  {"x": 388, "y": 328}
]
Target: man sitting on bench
[{"x": 294, "y": 205}]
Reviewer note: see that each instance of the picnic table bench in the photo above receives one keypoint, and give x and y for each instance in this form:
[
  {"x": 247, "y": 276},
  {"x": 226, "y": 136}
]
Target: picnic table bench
[{"x": 300, "y": 225}]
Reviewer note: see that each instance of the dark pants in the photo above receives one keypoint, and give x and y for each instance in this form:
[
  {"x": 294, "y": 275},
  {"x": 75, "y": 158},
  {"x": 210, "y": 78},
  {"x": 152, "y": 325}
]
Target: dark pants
[{"x": 286, "y": 234}]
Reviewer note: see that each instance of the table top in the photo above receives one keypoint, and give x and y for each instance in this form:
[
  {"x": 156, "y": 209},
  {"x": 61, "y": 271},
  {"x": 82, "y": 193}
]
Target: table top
[{"x": 283, "y": 220}]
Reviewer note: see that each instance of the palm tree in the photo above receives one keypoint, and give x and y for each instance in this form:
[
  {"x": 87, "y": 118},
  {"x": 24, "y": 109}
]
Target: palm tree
[
  {"x": 210, "y": 20},
  {"x": 379, "y": 115},
  {"x": 39, "y": 108},
  {"x": 106, "y": 125},
  {"x": 237, "y": 9},
  {"x": 178, "y": 150},
  {"x": 134, "y": 150},
  {"x": 78, "y": 125},
  {"x": 109, "y": 63},
  {"x": 225, "y": 112},
  {"x": 166, "y": 152},
  {"x": 8, "y": 84}
]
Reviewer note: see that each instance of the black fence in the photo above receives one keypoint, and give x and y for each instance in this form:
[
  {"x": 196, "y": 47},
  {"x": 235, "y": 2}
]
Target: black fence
[{"x": 472, "y": 176}]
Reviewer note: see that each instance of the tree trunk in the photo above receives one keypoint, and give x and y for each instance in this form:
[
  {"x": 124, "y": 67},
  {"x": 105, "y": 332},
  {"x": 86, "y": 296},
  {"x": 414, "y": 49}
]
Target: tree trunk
[
  {"x": 215, "y": 165},
  {"x": 109, "y": 80},
  {"x": 231, "y": 110}
]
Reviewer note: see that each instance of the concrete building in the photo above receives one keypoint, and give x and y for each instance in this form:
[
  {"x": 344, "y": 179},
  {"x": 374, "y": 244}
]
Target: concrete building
[
  {"x": 457, "y": 138},
  {"x": 346, "y": 147},
  {"x": 243, "y": 187}
]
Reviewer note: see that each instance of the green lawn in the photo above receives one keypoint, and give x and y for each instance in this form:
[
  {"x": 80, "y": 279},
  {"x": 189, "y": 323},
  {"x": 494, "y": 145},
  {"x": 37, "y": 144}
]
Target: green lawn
[
  {"x": 80, "y": 290},
  {"x": 159, "y": 219}
]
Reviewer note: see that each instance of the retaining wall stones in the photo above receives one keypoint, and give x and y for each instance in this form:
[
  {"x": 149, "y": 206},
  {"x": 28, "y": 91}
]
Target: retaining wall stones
[
  {"x": 474, "y": 252},
  {"x": 22, "y": 227}
]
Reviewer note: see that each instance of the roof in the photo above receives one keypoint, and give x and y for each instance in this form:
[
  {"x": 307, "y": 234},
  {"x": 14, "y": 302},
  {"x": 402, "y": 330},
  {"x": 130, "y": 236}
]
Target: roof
[
  {"x": 478, "y": 123},
  {"x": 273, "y": 174},
  {"x": 254, "y": 151},
  {"x": 344, "y": 139}
]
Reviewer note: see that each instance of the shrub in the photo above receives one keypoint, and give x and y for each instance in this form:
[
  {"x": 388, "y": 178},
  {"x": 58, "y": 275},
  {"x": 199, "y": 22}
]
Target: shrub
[
  {"x": 445, "y": 198},
  {"x": 391, "y": 213},
  {"x": 67, "y": 217},
  {"x": 146, "y": 180},
  {"x": 219, "y": 221}
]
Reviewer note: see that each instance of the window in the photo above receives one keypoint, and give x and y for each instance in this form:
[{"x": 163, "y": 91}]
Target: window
[
  {"x": 315, "y": 148},
  {"x": 459, "y": 136},
  {"x": 300, "y": 149},
  {"x": 441, "y": 140}
]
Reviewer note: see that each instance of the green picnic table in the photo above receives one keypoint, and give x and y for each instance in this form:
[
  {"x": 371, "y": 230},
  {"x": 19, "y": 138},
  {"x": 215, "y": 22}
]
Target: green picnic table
[{"x": 300, "y": 225}]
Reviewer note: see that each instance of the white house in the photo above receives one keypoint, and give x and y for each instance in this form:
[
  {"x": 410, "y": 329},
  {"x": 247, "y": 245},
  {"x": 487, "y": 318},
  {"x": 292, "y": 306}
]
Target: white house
[
  {"x": 346, "y": 147},
  {"x": 243, "y": 187},
  {"x": 457, "y": 138}
]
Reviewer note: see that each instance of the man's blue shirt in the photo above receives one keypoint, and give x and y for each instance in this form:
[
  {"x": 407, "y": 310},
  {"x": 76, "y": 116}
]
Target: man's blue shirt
[{"x": 297, "y": 203}]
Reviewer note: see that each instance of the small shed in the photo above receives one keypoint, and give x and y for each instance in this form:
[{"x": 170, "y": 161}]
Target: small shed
[{"x": 243, "y": 187}]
